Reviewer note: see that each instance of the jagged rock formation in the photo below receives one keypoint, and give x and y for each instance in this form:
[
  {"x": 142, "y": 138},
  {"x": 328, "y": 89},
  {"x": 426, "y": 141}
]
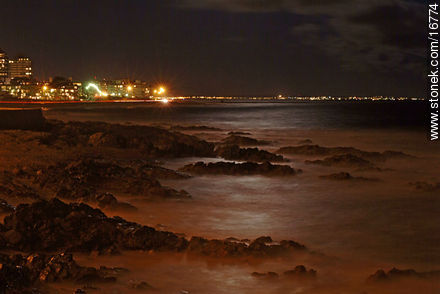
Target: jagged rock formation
[
  {"x": 316, "y": 150},
  {"x": 246, "y": 168},
  {"x": 243, "y": 141},
  {"x": 234, "y": 152}
]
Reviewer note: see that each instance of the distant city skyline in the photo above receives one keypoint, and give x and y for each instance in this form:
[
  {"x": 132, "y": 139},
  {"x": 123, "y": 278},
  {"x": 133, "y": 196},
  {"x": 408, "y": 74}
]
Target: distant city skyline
[{"x": 226, "y": 47}]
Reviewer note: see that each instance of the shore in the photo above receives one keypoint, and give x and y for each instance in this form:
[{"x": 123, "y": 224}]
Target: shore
[{"x": 179, "y": 208}]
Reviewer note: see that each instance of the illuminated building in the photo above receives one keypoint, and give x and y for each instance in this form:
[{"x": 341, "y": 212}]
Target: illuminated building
[
  {"x": 117, "y": 89},
  {"x": 3, "y": 67},
  {"x": 21, "y": 67}
]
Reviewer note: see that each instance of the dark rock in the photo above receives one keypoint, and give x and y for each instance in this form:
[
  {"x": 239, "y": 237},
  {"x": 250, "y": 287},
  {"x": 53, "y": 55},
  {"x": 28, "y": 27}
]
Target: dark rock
[
  {"x": 12, "y": 187},
  {"x": 193, "y": 128},
  {"x": 345, "y": 160},
  {"x": 300, "y": 271},
  {"x": 316, "y": 150},
  {"x": 243, "y": 141},
  {"x": 81, "y": 180},
  {"x": 151, "y": 141},
  {"x": 140, "y": 285},
  {"x": 5, "y": 207},
  {"x": 344, "y": 176},
  {"x": 239, "y": 133},
  {"x": 247, "y": 168},
  {"x": 20, "y": 273},
  {"x": 426, "y": 187},
  {"x": 395, "y": 274},
  {"x": 234, "y": 152},
  {"x": 107, "y": 200},
  {"x": 54, "y": 225},
  {"x": 258, "y": 248}
]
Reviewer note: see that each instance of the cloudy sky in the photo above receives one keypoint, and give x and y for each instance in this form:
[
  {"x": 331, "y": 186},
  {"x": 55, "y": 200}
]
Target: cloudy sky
[{"x": 227, "y": 47}]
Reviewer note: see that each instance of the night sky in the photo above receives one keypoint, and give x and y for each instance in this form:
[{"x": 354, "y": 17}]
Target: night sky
[{"x": 227, "y": 47}]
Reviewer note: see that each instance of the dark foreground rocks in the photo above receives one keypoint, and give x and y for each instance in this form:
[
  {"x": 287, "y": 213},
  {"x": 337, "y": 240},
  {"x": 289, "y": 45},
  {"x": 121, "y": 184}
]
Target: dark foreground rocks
[
  {"x": 246, "y": 168},
  {"x": 344, "y": 176},
  {"x": 345, "y": 160},
  {"x": 260, "y": 247},
  {"x": 22, "y": 119},
  {"x": 299, "y": 273},
  {"x": 23, "y": 273},
  {"x": 84, "y": 179},
  {"x": 234, "y": 152},
  {"x": 5, "y": 207},
  {"x": 396, "y": 274},
  {"x": 243, "y": 141},
  {"x": 426, "y": 187},
  {"x": 54, "y": 225},
  {"x": 316, "y": 150},
  {"x": 153, "y": 142},
  {"x": 48, "y": 226}
]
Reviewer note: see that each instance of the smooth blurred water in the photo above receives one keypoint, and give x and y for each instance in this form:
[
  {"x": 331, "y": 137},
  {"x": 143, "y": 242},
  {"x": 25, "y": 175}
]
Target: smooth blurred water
[{"x": 258, "y": 115}]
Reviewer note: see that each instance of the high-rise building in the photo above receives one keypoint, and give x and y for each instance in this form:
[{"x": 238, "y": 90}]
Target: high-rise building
[
  {"x": 4, "y": 61},
  {"x": 21, "y": 67}
]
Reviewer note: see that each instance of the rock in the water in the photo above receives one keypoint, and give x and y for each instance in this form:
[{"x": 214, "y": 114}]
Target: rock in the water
[
  {"x": 344, "y": 176},
  {"x": 243, "y": 141},
  {"x": 81, "y": 180},
  {"x": 345, "y": 160},
  {"x": 316, "y": 150},
  {"x": 395, "y": 274},
  {"x": 151, "y": 141},
  {"x": 234, "y": 152},
  {"x": 246, "y": 168},
  {"x": 54, "y": 225},
  {"x": 300, "y": 271},
  {"x": 426, "y": 187},
  {"x": 19, "y": 273}
]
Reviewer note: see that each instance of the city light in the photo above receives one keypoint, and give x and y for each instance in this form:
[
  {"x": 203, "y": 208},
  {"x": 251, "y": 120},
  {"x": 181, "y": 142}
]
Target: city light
[
  {"x": 92, "y": 85},
  {"x": 129, "y": 88},
  {"x": 164, "y": 101},
  {"x": 45, "y": 88}
]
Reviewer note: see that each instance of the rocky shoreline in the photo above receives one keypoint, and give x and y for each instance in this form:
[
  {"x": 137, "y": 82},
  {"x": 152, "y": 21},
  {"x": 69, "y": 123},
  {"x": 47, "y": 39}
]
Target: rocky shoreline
[{"x": 57, "y": 206}]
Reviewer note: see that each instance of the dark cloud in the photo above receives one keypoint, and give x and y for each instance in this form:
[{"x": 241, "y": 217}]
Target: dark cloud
[{"x": 358, "y": 33}]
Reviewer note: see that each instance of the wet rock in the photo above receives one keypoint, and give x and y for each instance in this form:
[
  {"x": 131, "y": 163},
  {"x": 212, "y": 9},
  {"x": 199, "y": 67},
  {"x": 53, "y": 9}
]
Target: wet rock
[
  {"x": 261, "y": 247},
  {"x": 140, "y": 285},
  {"x": 107, "y": 200},
  {"x": 193, "y": 128},
  {"x": 151, "y": 141},
  {"x": 82, "y": 179},
  {"x": 345, "y": 160},
  {"x": 300, "y": 271},
  {"x": 12, "y": 187},
  {"x": 426, "y": 187},
  {"x": 5, "y": 207},
  {"x": 344, "y": 176},
  {"x": 247, "y": 168},
  {"x": 316, "y": 150},
  {"x": 243, "y": 141},
  {"x": 396, "y": 274},
  {"x": 20, "y": 273},
  {"x": 54, "y": 225},
  {"x": 239, "y": 133},
  {"x": 234, "y": 152}
]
